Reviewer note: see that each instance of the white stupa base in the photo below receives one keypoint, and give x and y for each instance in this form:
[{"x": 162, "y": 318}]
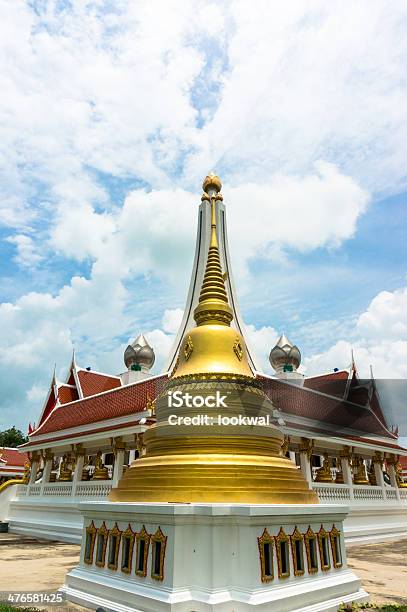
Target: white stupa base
[{"x": 212, "y": 561}]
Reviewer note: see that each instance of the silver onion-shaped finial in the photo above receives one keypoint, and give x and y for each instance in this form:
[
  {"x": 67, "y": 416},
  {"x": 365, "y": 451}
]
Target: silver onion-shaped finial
[
  {"x": 285, "y": 356},
  {"x": 139, "y": 355}
]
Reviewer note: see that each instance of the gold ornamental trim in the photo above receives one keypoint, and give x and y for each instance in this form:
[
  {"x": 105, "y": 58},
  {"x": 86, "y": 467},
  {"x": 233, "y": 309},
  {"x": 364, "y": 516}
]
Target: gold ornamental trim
[
  {"x": 282, "y": 544},
  {"x": 158, "y": 538},
  {"x": 102, "y": 532},
  {"x": 266, "y": 556},
  {"x": 90, "y": 537},
  {"x": 142, "y": 536},
  {"x": 114, "y": 548},
  {"x": 128, "y": 534},
  {"x": 188, "y": 348},
  {"x": 238, "y": 349},
  {"x": 335, "y": 539},
  {"x": 323, "y": 541},
  {"x": 298, "y": 561},
  {"x": 311, "y": 544}
]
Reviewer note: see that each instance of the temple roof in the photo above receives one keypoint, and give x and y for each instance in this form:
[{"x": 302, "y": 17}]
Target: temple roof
[
  {"x": 12, "y": 458},
  {"x": 324, "y": 408},
  {"x": 107, "y": 405},
  {"x": 324, "y": 412}
]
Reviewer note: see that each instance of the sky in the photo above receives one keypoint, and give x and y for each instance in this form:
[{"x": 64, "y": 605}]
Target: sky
[{"x": 112, "y": 113}]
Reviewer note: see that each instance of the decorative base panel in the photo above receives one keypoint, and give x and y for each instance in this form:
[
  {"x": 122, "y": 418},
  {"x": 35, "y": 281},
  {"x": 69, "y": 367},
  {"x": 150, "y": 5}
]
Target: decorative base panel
[{"x": 199, "y": 558}]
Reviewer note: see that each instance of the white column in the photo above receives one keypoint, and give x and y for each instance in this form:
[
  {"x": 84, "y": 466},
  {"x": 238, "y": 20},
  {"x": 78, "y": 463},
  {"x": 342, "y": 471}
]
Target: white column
[
  {"x": 377, "y": 461},
  {"x": 292, "y": 456},
  {"x": 118, "y": 467},
  {"x": 132, "y": 456},
  {"x": 306, "y": 466},
  {"x": 34, "y": 468},
  {"x": 347, "y": 471},
  {"x": 391, "y": 463},
  {"x": 77, "y": 474},
  {"x": 47, "y": 469},
  {"x": 118, "y": 449}
]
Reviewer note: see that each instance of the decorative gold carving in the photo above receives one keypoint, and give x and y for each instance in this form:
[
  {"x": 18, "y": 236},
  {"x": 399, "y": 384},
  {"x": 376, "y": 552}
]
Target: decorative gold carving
[
  {"x": 346, "y": 453},
  {"x": 285, "y": 445},
  {"x": 399, "y": 475},
  {"x": 114, "y": 544},
  {"x": 265, "y": 543},
  {"x": 283, "y": 556},
  {"x": 150, "y": 405},
  {"x": 101, "y": 543},
  {"x": 377, "y": 458},
  {"x": 78, "y": 450},
  {"x": 27, "y": 471},
  {"x": 127, "y": 535},
  {"x": 188, "y": 348},
  {"x": 90, "y": 543},
  {"x": 237, "y": 347},
  {"x": 372, "y": 475},
  {"x": 140, "y": 446},
  {"x": 142, "y": 552},
  {"x": 65, "y": 472},
  {"x": 307, "y": 446},
  {"x": 159, "y": 542},
  {"x": 297, "y": 551},
  {"x": 324, "y": 473},
  {"x": 85, "y": 472},
  {"x": 311, "y": 547},
  {"x": 117, "y": 445},
  {"x": 48, "y": 455},
  {"x": 205, "y": 198},
  {"x": 323, "y": 540},
  {"x": 335, "y": 538},
  {"x": 359, "y": 477},
  {"x": 339, "y": 474},
  {"x": 101, "y": 472}
]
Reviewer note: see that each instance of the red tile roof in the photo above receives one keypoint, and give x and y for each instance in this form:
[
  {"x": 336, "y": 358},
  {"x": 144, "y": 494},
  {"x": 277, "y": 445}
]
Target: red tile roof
[
  {"x": 304, "y": 402},
  {"x": 67, "y": 394},
  {"x": 119, "y": 402},
  {"x": 12, "y": 457},
  {"x": 93, "y": 382},
  {"x": 333, "y": 383}
]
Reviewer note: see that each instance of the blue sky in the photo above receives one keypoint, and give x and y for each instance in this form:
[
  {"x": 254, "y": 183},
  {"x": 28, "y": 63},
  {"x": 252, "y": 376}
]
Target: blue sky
[{"x": 110, "y": 119}]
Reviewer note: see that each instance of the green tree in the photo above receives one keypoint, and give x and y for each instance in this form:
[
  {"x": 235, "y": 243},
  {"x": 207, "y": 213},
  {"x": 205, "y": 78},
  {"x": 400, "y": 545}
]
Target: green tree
[{"x": 12, "y": 437}]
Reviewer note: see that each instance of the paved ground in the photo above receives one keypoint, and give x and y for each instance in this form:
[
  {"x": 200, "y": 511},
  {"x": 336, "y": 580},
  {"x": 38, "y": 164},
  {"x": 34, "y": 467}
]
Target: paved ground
[
  {"x": 382, "y": 569},
  {"x": 40, "y": 565}
]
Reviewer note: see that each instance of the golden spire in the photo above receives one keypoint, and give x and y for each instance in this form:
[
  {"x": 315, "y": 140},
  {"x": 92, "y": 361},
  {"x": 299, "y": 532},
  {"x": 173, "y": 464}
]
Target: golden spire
[
  {"x": 213, "y": 304},
  {"x": 213, "y": 348}
]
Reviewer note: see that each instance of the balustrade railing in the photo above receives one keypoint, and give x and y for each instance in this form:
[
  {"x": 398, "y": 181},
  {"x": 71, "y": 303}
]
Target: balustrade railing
[
  {"x": 58, "y": 488},
  {"x": 93, "y": 489},
  {"x": 364, "y": 492},
  {"x": 332, "y": 493},
  {"x": 98, "y": 489}
]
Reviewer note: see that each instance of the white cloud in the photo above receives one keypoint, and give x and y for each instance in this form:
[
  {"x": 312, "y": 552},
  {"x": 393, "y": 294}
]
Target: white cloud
[
  {"x": 172, "y": 320},
  {"x": 380, "y": 340},
  {"x": 262, "y": 341},
  {"x": 27, "y": 255}
]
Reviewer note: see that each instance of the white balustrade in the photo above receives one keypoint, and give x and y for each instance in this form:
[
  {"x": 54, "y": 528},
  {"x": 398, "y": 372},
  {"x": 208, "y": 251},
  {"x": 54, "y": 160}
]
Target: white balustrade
[
  {"x": 403, "y": 494},
  {"x": 331, "y": 493},
  {"x": 93, "y": 489},
  {"x": 392, "y": 494},
  {"x": 21, "y": 490},
  {"x": 58, "y": 488},
  {"x": 362, "y": 492},
  {"x": 99, "y": 489}
]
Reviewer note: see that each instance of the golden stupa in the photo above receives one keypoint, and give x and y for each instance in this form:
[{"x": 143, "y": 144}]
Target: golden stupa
[{"x": 211, "y": 462}]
